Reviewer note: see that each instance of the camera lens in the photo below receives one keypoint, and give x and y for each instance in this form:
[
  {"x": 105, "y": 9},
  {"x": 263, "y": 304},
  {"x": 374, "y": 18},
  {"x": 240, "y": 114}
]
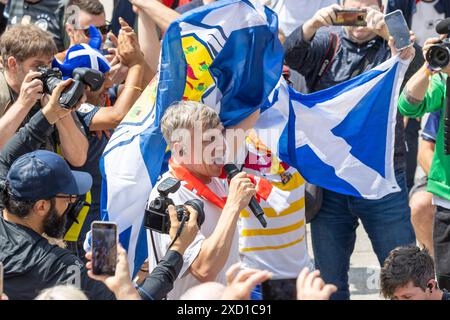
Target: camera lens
[
  {"x": 438, "y": 57},
  {"x": 198, "y": 206}
]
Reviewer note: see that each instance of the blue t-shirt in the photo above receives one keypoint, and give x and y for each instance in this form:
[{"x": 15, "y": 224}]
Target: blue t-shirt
[
  {"x": 97, "y": 143},
  {"x": 431, "y": 128}
]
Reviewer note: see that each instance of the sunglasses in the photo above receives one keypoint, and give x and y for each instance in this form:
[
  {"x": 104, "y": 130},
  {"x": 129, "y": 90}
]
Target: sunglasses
[
  {"x": 102, "y": 29},
  {"x": 70, "y": 198}
]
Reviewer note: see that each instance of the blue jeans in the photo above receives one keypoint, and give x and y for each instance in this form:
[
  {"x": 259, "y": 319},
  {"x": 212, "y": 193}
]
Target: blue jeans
[{"x": 333, "y": 231}]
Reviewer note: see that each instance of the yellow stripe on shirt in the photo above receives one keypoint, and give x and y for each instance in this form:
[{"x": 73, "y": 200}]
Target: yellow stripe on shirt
[
  {"x": 271, "y": 232},
  {"x": 271, "y": 213},
  {"x": 290, "y": 244}
]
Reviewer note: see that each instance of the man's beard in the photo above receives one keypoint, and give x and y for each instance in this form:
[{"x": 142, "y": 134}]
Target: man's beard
[{"x": 54, "y": 225}]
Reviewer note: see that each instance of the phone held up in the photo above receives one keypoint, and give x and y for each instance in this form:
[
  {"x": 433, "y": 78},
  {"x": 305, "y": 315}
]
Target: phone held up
[
  {"x": 104, "y": 248},
  {"x": 398, "y": 29},
  {"x": 351, "y": 17}
]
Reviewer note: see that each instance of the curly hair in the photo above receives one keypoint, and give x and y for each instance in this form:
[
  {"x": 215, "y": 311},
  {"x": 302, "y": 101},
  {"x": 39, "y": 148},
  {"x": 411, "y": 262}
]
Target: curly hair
[{"x": 18, "y": 208}]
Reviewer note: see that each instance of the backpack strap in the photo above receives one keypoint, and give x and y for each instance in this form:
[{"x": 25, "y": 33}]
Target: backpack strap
[{"x": 326, "y": 63}]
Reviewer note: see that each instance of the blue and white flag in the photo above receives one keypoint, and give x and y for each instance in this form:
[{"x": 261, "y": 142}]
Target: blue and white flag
[
  {"x": 227, "y": 55},
  {"x": 341, "y": 138}
]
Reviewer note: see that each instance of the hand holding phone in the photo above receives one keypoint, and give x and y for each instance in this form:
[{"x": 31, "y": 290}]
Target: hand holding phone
[
  {"x": 104, "y": 248},
  {"x": 398, "y": 29}
]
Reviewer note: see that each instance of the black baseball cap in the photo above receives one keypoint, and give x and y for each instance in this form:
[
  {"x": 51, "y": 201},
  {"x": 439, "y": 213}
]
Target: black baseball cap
[{"x": 42, "y": 175}]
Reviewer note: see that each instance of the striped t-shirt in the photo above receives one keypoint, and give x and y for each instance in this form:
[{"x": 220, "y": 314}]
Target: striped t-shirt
[{"x": 281, "y": 247}]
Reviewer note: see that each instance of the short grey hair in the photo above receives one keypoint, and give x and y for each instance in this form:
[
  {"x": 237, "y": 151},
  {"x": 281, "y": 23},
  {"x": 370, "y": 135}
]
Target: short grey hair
[{"x": 184, "y": 115}]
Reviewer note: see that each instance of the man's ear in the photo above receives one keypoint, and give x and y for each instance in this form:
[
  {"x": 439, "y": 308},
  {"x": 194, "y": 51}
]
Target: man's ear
[
  {"x": 41, "y": 208},
  {"x": 431, "y": 285},
  {"x": 69, "y": 29},
  {"x": 177, "y": 150},
  {"x": 12, "y": 65}
]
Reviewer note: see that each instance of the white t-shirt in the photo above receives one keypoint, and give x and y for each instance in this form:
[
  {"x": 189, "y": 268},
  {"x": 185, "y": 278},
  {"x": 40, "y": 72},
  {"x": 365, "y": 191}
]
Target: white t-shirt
[
  {"x": 212, "y": 213},
  {"x": 441, "y": 202},
  {"x": 424, "y": 21}
]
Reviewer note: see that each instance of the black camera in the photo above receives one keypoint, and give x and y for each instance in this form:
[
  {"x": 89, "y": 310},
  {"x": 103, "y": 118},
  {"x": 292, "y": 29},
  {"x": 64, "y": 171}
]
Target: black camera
[
  {"x": 438, "y": 56},
  {"x": 71, "y": 95},
  {"x": 157, "y": 214}
]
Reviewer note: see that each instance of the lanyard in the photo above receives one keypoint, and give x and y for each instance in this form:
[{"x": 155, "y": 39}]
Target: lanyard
[{"x": 194, "y": 184}]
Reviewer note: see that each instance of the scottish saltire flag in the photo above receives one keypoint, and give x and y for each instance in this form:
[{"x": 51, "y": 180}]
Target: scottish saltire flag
[
  {"x": 227, "y": 55},
  {"x": 341, "y": 138}
]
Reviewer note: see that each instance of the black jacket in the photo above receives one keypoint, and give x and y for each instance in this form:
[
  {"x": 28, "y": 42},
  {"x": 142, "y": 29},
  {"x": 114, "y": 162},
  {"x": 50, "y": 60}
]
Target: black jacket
[
  {"x": 32, "y": 264},
  {"x": 349, "y": 60}
]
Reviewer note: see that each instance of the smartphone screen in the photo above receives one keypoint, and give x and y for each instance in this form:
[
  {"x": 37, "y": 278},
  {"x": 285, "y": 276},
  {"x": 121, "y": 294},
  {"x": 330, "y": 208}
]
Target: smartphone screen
[
  {"x": 398, "y": 29},
  {"x": 351, "y": 17},
  {"x": 104, "y": 248}
]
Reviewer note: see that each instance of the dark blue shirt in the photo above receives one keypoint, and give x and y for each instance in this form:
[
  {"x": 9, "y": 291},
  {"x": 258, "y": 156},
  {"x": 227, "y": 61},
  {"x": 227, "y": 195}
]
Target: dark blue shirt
[
  {"x": 431, "y": 128},
  {"x": 97, "y": 143}
]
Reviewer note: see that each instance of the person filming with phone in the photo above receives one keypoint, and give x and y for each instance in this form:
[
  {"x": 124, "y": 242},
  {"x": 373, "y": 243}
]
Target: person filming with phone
[
  {"x": 426, "y": 92},
  {"x": 326, "y": 59},
  {"x": 31, "y": 211}
]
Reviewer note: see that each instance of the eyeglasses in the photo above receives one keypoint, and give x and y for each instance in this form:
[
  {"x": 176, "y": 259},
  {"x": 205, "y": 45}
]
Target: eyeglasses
[
  {"x": 102, "y": 29},
  {"x": 71, "y": 198}
]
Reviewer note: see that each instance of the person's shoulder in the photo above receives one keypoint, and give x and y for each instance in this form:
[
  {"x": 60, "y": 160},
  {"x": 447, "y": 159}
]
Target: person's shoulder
[{"x": 86, "y": 112}]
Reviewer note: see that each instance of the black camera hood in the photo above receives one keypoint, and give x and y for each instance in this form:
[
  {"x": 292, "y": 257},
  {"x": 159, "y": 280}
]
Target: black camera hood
[{"x": 91, "y": 77}]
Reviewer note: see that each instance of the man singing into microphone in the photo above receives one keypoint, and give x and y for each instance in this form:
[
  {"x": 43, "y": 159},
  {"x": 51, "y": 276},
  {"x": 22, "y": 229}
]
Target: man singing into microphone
[
  {"x": 195, "y": 137},
  {"x": 426, "y": 92}
]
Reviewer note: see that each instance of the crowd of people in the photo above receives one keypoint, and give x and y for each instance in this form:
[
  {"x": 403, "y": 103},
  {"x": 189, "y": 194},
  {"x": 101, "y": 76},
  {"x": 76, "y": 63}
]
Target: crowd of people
[{"x": 50, "y": 179}]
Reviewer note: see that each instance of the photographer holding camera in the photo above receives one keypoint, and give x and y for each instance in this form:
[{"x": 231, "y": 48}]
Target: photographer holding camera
[
  {"x": 426, "y": 92},
  {"x": 24, "y": 48},
  {"x": 160, "y": 281},
  {"x": 97, "y": 118},
  {"x": 195, "y": 137}
]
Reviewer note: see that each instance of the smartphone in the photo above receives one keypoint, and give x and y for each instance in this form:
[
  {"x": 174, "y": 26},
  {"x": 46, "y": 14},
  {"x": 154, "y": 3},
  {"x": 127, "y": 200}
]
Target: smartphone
[
  {"x": 285, "y": 289},
  {"x": 351, "y": 17},
  {"x": 104, "y": 247},
  {"x": 398, "y": 29}
]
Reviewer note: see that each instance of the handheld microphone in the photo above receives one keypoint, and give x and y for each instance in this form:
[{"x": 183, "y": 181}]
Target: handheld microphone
[{"x": 231, "y": 171}]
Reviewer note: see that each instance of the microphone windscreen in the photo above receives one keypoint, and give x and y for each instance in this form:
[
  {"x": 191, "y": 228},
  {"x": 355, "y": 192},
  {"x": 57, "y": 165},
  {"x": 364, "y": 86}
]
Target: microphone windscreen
[
  {"x": 231, "y": 170},
  {"x": 443, "y": 27}
]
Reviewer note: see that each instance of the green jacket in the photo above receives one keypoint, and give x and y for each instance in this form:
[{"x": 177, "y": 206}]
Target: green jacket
[{"x": 439, "y": 176}]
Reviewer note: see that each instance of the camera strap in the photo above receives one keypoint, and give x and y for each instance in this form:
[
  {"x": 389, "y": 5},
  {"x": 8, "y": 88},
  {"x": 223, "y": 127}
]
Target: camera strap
[{"x": 194, "y": 184}]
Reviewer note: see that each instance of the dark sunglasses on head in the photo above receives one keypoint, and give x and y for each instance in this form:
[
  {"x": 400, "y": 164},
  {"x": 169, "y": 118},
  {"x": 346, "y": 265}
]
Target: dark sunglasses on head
[{"x": 102, "y": 29}]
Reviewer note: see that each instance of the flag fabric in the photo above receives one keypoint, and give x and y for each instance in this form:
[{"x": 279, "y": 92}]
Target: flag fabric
[
  {"x": 84, "y": 55},
  {"x": 341, "y": 138},
  {"x": 226, "y": 55}
]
